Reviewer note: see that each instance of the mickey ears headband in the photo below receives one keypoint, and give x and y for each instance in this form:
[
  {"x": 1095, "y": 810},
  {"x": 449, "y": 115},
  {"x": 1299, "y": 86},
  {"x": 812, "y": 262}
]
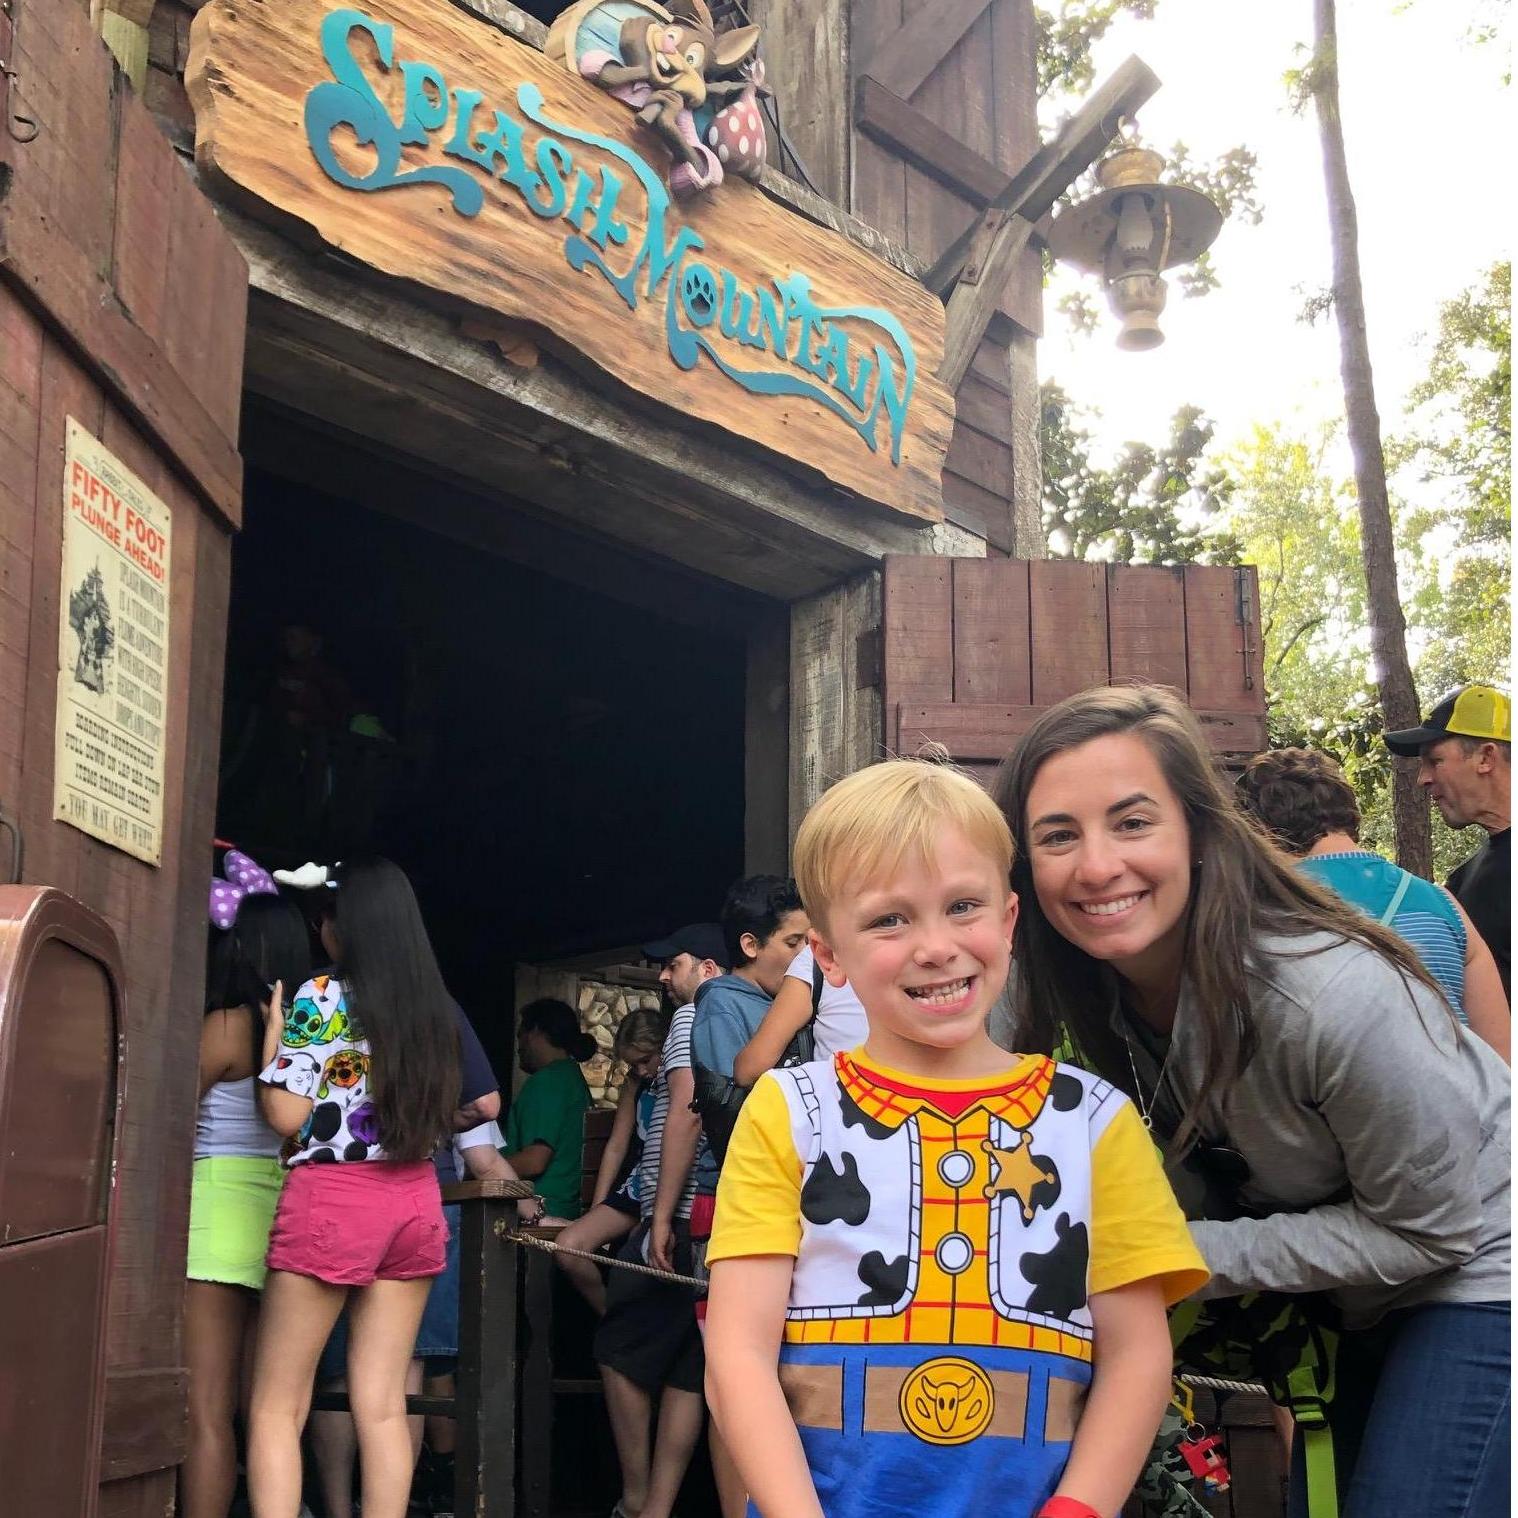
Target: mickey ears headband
[
  {"x": 243, "y": 878},
  {"x": 310, "y": 876}
]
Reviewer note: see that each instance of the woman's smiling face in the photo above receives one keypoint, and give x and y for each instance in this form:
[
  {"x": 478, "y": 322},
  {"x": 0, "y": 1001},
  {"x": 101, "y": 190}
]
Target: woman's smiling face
[{"x": 1110, "y": 852}]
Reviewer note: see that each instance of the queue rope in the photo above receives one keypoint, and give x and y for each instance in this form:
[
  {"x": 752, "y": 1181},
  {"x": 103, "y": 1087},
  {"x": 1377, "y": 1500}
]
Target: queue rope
[
  {"x": 552, "y": 1246},
  {"x": 608, "y": 1262}
]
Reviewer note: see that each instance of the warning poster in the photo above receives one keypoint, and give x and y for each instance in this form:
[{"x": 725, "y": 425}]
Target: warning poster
[{"x": 113, "y": 643}]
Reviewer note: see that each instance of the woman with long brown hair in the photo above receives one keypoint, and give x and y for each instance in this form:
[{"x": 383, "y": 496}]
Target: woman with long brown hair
[
  {"x": 362, "y": 1076},
  {"x": 1330, "y": 1127}
]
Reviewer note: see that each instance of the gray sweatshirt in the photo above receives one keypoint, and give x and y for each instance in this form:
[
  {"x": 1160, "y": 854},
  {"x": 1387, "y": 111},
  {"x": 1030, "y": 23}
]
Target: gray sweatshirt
[{"x": 1376, "y": 1131}]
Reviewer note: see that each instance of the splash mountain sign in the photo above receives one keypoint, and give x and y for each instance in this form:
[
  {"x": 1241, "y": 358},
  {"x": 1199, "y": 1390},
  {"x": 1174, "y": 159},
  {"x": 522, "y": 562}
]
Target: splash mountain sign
[{"x": 442, "y": 152}]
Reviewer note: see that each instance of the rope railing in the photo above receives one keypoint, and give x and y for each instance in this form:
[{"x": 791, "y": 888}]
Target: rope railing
[{"x": 530, "y": 1240}]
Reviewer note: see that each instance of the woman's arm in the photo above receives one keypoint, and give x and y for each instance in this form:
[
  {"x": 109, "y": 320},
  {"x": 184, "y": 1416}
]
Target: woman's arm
[
  {"x": 1130, "y": 1385},
  {"x": 1486, "y": 1007},
  {"x": 283, "y": 1111},
  {"x": 789, "y": 1013},
  {"x": 617, "y": 1143},
  {"x": 1381, "y": 1064},
  {"x": 744, "y": 1317}
]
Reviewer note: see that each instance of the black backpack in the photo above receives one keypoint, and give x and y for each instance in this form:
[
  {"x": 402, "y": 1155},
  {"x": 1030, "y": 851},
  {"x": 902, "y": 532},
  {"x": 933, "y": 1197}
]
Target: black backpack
[{"x": 719, "y": 1098}]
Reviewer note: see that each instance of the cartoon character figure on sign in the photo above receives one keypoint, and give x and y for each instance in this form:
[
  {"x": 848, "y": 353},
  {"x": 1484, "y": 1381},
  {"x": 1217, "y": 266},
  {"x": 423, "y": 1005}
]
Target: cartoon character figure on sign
[{"x": 675, "y": 70}]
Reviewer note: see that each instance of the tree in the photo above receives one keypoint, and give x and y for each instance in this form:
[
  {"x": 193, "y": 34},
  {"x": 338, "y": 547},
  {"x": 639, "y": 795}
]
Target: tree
[
  {"x": 1066, "y": 36},
  {"x": 1154, "y": 506},
  {"x": 1388, "y": 630}
]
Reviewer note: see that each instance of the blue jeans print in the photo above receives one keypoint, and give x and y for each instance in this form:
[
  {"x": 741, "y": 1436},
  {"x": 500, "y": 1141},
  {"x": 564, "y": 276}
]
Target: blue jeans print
[{"x": 1421, "y": 1416}]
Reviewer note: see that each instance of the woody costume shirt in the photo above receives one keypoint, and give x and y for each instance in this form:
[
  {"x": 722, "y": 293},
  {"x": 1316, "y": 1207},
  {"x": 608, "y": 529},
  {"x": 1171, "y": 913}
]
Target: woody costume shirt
[{"x": 947, "y": 1235}]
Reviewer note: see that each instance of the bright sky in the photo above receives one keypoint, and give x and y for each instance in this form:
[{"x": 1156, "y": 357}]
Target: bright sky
[{"x": 1434, "y": 208}]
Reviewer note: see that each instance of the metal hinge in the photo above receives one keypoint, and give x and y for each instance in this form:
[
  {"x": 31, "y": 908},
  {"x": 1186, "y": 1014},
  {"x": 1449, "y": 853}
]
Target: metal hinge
[{"x": 1244, "y": 615}]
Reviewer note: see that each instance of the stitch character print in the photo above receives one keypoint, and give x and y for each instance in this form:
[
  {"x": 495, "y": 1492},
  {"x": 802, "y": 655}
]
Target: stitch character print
[{"x": 323, "y": 1055}]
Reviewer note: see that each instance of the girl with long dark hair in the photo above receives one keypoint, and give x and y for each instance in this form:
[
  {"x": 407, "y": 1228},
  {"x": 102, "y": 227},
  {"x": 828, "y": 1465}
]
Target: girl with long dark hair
[
  {"x": 362, "y": 1074},
  {"x": 236, "y": 1179},
  {"x": 1330, "y": 1126}
]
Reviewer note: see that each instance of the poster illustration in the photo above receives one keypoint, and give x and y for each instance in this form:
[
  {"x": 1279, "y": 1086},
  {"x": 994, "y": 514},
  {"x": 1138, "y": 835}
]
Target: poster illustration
[{"x": 113, "y": 642}]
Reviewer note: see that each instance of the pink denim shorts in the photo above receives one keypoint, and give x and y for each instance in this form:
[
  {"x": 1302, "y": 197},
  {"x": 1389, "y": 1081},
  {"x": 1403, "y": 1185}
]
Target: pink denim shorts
[{"x": 353, "y": 1224}]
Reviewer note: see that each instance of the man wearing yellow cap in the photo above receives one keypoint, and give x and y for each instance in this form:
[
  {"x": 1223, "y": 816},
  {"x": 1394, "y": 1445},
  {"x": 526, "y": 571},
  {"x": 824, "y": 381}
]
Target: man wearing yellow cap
[{"x": 1463, "y": 750}]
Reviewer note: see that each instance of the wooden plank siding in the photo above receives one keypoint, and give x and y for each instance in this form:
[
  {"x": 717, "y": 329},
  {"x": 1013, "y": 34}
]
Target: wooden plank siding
[
  {"x": 122, "y": 304},
  {"x": 975, "y": 649},
  {"x": 943, "y": 116}
]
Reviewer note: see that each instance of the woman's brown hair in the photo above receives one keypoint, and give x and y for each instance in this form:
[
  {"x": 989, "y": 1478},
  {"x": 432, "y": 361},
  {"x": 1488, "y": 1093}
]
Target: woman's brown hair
[
  {"x": 1298, "y": 795},
  {"x": 1243, "y": 888}
]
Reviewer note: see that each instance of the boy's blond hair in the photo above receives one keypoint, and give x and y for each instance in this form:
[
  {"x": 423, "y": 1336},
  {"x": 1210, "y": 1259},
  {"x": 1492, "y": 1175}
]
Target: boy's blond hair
[{"x": 863, "y": 827}]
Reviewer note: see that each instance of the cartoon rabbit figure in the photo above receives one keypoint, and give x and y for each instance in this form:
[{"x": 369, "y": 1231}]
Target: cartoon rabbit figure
[{"x": 660, "y": 63}]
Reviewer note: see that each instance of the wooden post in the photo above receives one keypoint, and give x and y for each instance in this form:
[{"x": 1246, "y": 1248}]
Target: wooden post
[
  {"x": 486, "y": 1403},
  {"x": 537, "y": 1384}
]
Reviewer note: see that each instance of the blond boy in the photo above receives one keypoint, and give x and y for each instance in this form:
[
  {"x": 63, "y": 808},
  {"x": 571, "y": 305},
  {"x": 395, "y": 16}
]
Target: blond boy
[{"x": 939, "y": 1271}]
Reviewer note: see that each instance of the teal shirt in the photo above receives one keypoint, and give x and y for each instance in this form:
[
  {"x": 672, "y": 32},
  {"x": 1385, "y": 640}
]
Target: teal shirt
[
  {"x": 550, "y": 1109},
  {"x": 1425, "y": 916}
]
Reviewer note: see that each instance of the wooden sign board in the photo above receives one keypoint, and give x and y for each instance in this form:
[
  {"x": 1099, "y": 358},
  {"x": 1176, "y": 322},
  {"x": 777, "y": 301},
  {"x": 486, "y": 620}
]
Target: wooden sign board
[{"x": 430, "y": 146}]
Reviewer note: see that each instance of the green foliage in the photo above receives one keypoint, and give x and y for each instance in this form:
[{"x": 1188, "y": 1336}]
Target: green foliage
[
  {"x": 1461, "y": 421},
  {"x": 1455, "y": 457},
  {"x": 1067, "y": 34},
  {"x": 1153, "y": 506},
  {"x": 1068, "y": 31}
]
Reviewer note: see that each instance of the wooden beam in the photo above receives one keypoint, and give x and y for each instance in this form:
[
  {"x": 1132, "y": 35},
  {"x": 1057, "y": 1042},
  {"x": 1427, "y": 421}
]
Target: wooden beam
[
  {"x": 1031, "y": 192},
  {"x": 922, "y": 142},
  {"x": 904, "y": 60},
  {"x": 365, "y": 359},
  {"x": 971, "y": 306},
  {"x": 984, "y": 731},
  {"x": 511, "y": 19}
]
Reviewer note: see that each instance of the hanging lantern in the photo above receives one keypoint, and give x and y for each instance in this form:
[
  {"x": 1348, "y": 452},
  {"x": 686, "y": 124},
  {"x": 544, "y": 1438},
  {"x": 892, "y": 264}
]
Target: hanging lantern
[{"x": 1130, "y": 232}]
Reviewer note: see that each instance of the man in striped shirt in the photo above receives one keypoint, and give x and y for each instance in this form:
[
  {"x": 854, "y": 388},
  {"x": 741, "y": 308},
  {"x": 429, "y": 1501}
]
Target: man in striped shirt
[{"x": 648, "y": 1345}]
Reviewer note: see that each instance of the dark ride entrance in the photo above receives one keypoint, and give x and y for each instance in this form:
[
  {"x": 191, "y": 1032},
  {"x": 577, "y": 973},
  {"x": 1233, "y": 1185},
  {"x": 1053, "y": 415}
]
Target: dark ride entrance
[{"x": 557, "y": 763}]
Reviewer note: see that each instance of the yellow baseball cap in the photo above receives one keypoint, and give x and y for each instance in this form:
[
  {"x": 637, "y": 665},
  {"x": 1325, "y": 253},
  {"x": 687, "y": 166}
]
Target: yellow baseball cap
[{"x": 1473, "y": 711}]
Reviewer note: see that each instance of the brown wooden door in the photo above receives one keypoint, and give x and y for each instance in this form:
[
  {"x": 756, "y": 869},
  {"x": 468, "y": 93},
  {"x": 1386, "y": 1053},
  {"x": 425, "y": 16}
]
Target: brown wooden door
[
  {"x": 975, "y": 649},
  {"x": 122, "y": 306}
]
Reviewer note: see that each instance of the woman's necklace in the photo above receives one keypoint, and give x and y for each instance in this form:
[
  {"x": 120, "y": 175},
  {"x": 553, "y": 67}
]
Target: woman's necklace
[{"x": 1138, "y": 1086}]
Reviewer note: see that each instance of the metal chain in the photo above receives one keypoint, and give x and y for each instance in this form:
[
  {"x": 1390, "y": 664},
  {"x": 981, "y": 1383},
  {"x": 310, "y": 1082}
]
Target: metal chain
[{"x": 550, "y": 1246}]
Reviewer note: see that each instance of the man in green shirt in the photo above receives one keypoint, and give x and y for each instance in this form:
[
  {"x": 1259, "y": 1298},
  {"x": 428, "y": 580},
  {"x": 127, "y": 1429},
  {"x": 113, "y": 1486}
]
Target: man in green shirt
[{"x": 545, "y": 1128}]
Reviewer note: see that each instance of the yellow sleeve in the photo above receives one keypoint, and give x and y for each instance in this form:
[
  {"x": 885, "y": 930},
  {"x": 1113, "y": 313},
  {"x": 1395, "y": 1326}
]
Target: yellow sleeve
[
  {"x": 1137, "y": 1229},
  {"x": 759, "y": 1194}
]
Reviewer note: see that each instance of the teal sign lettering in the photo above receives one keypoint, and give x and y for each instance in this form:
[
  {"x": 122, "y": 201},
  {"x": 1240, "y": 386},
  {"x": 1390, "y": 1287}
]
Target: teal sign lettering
[{"x": 855, "y": 360}]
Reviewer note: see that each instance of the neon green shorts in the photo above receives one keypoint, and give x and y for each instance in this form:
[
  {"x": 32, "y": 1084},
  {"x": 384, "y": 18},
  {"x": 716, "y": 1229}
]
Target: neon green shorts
[{"x": 232, "y": 1201}]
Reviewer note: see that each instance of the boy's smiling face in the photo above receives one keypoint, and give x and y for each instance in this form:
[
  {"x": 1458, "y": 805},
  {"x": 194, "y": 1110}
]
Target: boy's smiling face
[{"x": 926, "y": 950}]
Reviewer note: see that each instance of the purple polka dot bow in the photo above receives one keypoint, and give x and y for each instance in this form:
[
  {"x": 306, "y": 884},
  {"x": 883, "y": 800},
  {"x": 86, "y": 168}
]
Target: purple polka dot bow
[{"x": 243, "y": 878}]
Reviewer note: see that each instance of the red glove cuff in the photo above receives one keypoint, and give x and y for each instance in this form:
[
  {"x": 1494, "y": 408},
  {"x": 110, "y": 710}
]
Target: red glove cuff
[{"x": 1067, "y": 1507}]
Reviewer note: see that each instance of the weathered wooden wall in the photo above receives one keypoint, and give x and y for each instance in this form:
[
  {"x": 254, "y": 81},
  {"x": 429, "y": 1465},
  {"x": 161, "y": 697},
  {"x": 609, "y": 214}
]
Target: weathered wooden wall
[
  {"x": 943, "y": 114},
  {"x": 974, "y": 649},
  {"x": 121, "y": 304}
]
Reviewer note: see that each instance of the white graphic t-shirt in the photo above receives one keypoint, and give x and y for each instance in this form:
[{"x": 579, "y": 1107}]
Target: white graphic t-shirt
[
  {"x": 323, "y": 1055},
  {"x": 841, "y": 1024}
]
